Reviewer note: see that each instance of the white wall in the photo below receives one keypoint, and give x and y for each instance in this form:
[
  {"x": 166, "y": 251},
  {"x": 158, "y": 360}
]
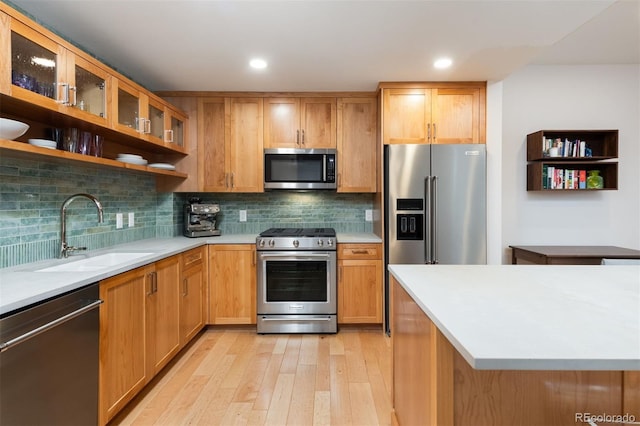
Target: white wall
[{"x": 571, "y": 97}]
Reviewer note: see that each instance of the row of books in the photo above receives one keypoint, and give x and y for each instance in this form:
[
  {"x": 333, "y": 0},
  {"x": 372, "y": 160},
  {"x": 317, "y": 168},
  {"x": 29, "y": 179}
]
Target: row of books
[
  {"x": 557, "y": 178},
  {"x": 565, "y": 148}
]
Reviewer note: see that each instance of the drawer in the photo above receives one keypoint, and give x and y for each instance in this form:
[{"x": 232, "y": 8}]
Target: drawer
[
  {"x": 192, "y": 257},
  {"x": 360, "y": 251}
]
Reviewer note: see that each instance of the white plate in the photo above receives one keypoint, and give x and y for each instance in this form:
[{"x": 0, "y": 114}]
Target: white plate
[
  {"x": 136, "y": 161},
  {"x": 134, "y": 156},
  {"x": 164, "y": 166},
  {"x": 43, "y": 143}
]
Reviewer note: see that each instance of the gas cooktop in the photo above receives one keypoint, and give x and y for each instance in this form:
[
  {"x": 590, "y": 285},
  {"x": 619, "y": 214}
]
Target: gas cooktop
[{"x": 299, "y": 232}]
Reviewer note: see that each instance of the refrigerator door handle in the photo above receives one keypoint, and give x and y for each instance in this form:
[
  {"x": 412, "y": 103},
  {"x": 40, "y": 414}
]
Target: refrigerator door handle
[
  {"x": 427, "y": 221},
  {"x": 434, "y": 218}
]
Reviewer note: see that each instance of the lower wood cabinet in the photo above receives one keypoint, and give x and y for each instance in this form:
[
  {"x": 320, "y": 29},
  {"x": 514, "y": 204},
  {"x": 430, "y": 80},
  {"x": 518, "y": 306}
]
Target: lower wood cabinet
[
  {"x": 148, "y": 315},
  {"x": 192, "y": 293},
  {"x": 163, "y": 313},
  {"x": 359, "y": 283},
  {"x": 232, "y": 284},
  {"x": 123, "y": 341}
]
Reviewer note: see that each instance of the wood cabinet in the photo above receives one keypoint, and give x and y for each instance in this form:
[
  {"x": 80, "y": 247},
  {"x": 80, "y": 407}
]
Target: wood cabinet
[
  {"x": 444, "y": 113},
  {"x": 60, "y": 78},
  {"x": 232, "y": 284},
  {"x": 163, "y": 313},
  {"x": 139, "y": 331},
  {"x": 300, "y": 122},
  {"x": 359, "y": 283},
  {"x": 357, "y": 144},
  {"x": 192, "y": 294},
  {"x": 564, "y": 159},
  {"x": 123, "y": 342},
  {"x": 230, "y": 133},
  {"x": 141, "y": 114},
  {"x": 66, "y": 87}
]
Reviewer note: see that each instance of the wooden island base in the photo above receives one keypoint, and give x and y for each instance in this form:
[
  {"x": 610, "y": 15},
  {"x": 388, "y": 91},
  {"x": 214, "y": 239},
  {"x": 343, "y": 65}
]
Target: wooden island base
[{"x": 434, "y": 385}]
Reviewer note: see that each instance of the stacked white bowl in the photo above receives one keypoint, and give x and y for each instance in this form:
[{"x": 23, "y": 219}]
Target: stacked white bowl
[
  {"x": 132, "y": 159},
  {"x": 11, "y": 129}
]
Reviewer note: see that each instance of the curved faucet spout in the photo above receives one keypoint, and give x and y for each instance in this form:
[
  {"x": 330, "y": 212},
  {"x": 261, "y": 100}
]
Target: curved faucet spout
[{"x": 64, "y": 247}]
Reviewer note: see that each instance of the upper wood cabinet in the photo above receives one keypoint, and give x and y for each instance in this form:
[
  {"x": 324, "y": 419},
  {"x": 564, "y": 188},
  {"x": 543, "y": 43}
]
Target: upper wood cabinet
[
  {"x": 47, "y": 82},
  {"x": 300, "y": 122},
  {"x": 141, "y": 114},
  {"x": 443, "y": 113},
  {"x": 44, "y": 72},
  {"x": 230, "y": 133},
  {"x": 357, "y": 137}
]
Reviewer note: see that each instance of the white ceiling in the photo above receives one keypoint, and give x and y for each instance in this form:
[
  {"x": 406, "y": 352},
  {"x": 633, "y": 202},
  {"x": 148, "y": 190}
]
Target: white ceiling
[{"x": 338, "y": 45}]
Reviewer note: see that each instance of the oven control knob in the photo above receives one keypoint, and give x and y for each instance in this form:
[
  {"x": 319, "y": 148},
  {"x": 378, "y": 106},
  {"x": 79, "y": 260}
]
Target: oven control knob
[
  {"x": 261, "y": 243},
  {"x": 272, "y": 243},
  {"x": 320, "y": 243},
  {"x": 296, "y": 243},
  {"x": 330, "y": 242}
]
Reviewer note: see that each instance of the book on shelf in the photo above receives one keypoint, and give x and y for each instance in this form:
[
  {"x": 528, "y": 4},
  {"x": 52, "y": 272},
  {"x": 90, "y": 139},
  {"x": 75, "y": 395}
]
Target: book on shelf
[
  {"x": 566, "y": 148},
  {"x": 557, "y": 178}
]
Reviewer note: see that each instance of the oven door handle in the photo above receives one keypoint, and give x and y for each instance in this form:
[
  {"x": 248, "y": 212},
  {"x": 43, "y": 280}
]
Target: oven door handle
[
  {"x": 295, "y": 319},
  {"x": 293, "y": 256}
]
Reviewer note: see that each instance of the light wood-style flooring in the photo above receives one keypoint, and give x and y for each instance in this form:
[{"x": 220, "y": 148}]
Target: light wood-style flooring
[{"x": 237, "y": 377}]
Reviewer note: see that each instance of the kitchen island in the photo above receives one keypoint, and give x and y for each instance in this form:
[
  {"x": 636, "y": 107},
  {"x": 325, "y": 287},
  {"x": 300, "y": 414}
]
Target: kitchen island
[{"x": 515, "y": 344}]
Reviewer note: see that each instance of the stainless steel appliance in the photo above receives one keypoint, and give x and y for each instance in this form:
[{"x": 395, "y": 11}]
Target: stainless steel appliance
[
  {"x": 49, "y": 361},
  {"x": 296, "y": 283},
  {"x": 294, "y": 168},
  {"x": 435, "y": 197},
  {"x": 200, "y": 219}
]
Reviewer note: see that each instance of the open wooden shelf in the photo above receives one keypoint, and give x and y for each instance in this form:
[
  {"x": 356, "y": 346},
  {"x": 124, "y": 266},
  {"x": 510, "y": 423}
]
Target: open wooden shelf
[
  {"x": 604, "y": 153},
  {"x": 17, "y": 149}
]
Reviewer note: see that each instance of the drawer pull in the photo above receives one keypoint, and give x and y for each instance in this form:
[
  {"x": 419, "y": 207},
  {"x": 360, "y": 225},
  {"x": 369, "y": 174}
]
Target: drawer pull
[{"x": 360, "y": 251}]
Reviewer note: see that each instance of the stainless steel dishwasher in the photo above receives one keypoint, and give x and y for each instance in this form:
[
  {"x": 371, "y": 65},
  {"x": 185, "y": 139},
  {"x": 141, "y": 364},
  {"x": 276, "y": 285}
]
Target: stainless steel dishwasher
[{"x": 49, "y": 361}]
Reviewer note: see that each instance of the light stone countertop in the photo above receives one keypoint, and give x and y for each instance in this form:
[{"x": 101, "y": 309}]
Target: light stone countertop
[
  {"x": 23, "y": 285},
  {"x": 532, "y": 317}
]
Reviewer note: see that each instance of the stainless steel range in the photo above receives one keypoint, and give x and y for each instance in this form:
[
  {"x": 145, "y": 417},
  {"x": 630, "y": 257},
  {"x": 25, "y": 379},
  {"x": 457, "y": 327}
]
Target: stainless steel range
[{"x": 296, "y": 281}]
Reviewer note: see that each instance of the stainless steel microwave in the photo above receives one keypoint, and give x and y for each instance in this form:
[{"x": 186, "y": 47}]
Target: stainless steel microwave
[{"x": 294, "y": 168}]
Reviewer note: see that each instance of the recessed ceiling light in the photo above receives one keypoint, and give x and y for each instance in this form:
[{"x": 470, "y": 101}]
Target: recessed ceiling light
[
  {"x": 442, "y": 63},
  {"x": 258, "y": 63}
]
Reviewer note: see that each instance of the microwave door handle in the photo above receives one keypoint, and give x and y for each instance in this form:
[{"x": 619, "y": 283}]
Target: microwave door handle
[{"x": 324, "y": 167}]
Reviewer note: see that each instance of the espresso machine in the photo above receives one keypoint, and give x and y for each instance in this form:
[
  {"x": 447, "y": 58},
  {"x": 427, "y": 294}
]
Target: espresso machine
[{"x": 200, "y": 219}]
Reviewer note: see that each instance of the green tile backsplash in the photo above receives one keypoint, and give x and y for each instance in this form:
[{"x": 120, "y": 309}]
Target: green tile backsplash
[{"x": 32, "y": 191}]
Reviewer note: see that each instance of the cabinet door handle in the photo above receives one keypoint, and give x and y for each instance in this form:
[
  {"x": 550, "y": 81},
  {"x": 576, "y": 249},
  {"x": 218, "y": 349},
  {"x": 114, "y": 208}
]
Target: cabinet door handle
[
  {"x": 302, "y": 136},
  {"x": 168, "y": 135},
  {"x": 428, "y": 132},
  {"x": 434, "y": 132},
  {"x": 226, "y": 180},
  {"x": 298, "y": 137},
  {"x": 185, "y": 287},
  {"x": 75, "y": 96},
  {"x": 150, "y": 280},
  {"x": 155, "y": 281},
  {"x": 65, "y": 94},
  {"x": 232, "y": 180}
]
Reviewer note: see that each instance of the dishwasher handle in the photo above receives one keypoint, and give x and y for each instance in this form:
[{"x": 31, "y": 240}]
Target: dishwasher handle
[{"x": 4, "y": 346}]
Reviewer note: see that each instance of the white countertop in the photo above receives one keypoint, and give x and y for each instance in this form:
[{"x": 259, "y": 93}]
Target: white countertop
[
  {"x": 532, "y": 317},
  {"x": 22, "y": 285}
]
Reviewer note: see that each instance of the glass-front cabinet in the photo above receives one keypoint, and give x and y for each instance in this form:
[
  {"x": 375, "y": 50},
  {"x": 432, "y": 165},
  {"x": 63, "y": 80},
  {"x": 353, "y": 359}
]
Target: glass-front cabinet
[
  {"x": 176, "y": 134},
  {"x": 45, "y": 73},
  {"x": 127, "y": 109}
]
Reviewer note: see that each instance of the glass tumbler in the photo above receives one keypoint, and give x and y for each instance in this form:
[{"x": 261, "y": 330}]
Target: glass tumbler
[
  {"x": 84, "y": 145},
  {"x": 96, "y": 147},
  {"x": 71, "y": 140}
]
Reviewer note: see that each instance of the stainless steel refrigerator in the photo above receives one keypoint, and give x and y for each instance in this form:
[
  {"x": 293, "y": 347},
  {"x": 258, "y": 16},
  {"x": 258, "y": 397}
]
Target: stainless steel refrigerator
[{"x": 435, "y": 206}]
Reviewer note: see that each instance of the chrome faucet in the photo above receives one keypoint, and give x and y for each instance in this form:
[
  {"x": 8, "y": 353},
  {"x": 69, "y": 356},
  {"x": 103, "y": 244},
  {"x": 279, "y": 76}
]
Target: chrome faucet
[{"x": 65, "y": 249}]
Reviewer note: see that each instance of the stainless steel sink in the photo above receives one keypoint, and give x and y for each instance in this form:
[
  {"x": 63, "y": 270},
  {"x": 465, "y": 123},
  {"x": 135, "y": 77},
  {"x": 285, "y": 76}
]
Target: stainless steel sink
[{"x": 96, "y": 263}]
